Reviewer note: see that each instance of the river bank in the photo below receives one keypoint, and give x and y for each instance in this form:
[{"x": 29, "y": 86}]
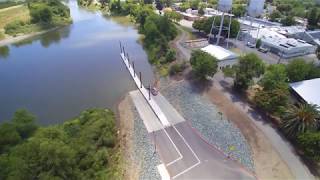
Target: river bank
[{"x": 11, "y": 40}]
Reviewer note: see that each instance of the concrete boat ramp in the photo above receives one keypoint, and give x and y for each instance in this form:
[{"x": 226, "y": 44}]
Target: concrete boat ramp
[{"x": 184, "y": 154}]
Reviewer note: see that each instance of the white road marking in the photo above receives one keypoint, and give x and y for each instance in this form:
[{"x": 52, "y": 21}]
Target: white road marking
[
  {"x": 163, "y": 172},
  {"x": 174, "y": 145},
  {"x": 195, "y": 155},
  {"x": 161, "y": 116}
]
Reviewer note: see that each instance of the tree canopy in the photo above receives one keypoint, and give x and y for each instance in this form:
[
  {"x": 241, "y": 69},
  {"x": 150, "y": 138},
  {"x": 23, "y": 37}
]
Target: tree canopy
[
  {"x": 203, "y": 64},
  {"x": 81, "y": 148},
  {"x": 250, "y": 66}
]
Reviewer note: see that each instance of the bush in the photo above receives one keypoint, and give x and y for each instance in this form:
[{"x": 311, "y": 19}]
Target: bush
[
  {"x": 177, "y": 68},
  {"x": 171, "y": 55},
  {"x": 15, "y": 27},
  {"x": 310, "y": 143}
]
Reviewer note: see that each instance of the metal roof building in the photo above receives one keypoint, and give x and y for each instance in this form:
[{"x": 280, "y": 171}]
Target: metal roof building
[
  {"x": 224, "y": 56},
  {"x": 308, "y": 90}
]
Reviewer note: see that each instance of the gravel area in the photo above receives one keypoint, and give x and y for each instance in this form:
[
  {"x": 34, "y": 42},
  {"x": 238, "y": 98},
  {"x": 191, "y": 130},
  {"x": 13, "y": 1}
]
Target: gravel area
[
  {"x": 205, "y": 117},
  {"x": 144, "y": 149}
]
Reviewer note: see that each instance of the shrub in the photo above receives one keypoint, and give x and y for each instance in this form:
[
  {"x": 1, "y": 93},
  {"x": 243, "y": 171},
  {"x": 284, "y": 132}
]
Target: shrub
[
  {"x": 310, "y": 143},
  {"x": 171, "y": 55},
  {"x": 177, "y": 68},
  {"x": 15, "y": 27}
]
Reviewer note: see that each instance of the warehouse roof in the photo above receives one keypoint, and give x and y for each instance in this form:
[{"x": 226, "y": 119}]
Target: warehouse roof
[
  {"x": 219, "y": 52},
  {"x": 308, "y": 90}
]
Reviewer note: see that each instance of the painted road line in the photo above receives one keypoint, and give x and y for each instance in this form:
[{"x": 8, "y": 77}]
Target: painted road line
[
  {"x": 163, "y": 172},
  {"x": 195, "y": 155}
]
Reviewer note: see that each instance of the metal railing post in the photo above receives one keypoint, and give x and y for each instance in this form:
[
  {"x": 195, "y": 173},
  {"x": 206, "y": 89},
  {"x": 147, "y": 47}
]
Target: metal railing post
[
  {"x": 134, "y": 72},
  {"x": 149, "y": 92},
  {"x": 140, "y": 79}
]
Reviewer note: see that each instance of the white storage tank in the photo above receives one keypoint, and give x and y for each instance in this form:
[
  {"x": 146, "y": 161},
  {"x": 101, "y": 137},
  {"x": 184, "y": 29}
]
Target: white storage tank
[
  {"x": 225, "y": 5},
  {"x": 255, "y": 8}
]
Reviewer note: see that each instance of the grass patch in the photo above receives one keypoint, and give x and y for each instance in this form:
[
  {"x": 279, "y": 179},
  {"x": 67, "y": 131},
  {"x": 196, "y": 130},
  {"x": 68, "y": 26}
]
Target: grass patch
[{"x": 7, "y": 15}]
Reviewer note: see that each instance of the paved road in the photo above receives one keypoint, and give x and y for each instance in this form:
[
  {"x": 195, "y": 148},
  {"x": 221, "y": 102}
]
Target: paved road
[{"x": 183, "y": 152}]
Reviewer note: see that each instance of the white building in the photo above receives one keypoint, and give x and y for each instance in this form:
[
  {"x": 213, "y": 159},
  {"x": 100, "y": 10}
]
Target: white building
[
  {"x": 278, "y": 40},
  {"x": 307, "y": 91},
  {"x": 224, "y": 56}
]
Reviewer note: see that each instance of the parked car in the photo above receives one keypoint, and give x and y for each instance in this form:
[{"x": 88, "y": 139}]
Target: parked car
[
  {"x": 251, "y": 45},
  {"x": 264, "y": 50}
]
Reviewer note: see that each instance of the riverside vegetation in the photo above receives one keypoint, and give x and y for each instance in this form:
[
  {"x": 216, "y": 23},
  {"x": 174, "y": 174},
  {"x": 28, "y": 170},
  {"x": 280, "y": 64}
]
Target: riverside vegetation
[
  {"x": 81, "y": 148},
  {"x": 157, "y": 30},
  {"x": 39, "y": 15},
  {"x": 299, "y": 122}
]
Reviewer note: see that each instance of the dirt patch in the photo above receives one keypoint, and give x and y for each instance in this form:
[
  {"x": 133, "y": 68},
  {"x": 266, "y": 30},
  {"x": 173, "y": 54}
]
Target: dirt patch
[
  {"x": 267, "y": 162},
  {"x": 126, "y": 125}
]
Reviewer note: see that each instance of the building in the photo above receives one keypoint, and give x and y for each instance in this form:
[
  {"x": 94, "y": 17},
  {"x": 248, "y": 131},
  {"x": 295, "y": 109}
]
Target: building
[
  {"x": 279, "y": 40},
  {"x": 189, "y": 16},
  {"x": 249, "y": 23},
  {"x": 307, "y": 91},
  {"x": 224, "y": 56},
  {"x": 312, "y": 37}
]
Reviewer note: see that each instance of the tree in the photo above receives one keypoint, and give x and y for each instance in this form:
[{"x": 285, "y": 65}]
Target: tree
[
  {"x": 201, "y": 11},
  {"x": 24, "y": 122},
  {"x": 298, "y": 70},
  {"x": 258, "y": 44},
  {"x": 299, "y": 119},
  {"x": 318, "y": 52},
  {"x": 288, "y": 21},
  {"x": 199, "y": 24},
  {"x": 274, "y": 101},
  {"x": 274, "y": 77},
  {"x": 275, "y": 15},
  {"x": 174, "y": 16},
  {"x": 310, "y": 143},
  {"x": 239, "y": 10},
  {"x": 250, "y": 66},
  {"x": 313, "y": 17},
  {"x": 203, "y": 64},
  {"x": 9, "y": 136}
]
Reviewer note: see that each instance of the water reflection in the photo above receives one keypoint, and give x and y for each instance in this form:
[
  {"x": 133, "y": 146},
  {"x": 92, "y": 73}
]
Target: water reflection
[
  {"x": 55, "y": 37},
  {"x": 4, "y": 52},
  {"x": 52, "y": 37}
]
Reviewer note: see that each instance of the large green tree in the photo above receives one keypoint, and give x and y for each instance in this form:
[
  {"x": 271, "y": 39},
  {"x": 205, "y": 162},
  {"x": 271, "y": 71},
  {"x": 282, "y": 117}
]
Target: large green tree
[
  {"x": 274, "y": 77},
  {"x": 299, "y": 70},
  {"x": 203, "y": 64},
  {"x": 249, "y": 66},
  {"x": 313, "y": 17}
]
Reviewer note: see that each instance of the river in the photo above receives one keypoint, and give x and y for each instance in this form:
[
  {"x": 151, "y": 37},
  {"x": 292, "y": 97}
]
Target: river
[{"x": 59, "y": 74}]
